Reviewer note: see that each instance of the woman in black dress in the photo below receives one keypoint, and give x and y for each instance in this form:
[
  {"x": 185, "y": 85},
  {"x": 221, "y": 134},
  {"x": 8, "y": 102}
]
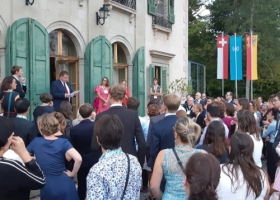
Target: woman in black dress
[{"x": 9, "y": 96}]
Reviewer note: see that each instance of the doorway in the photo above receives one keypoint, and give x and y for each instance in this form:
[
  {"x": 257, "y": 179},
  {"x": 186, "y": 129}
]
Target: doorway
[
  {"x": 120, "y": 64},
  {"x": 63, "y": 57}
]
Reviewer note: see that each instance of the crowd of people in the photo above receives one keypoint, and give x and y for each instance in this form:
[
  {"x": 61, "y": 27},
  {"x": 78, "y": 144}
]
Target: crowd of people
[{"x": 203, "y": 149}]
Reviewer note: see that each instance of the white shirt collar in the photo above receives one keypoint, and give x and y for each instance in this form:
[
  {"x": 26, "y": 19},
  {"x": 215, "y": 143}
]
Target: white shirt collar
[
  {"x": 116, "y": 104},
  {"x": 20, "y": 116},
  {"x": 169, "y": 114},
  {"x": 16, "y": 77}
]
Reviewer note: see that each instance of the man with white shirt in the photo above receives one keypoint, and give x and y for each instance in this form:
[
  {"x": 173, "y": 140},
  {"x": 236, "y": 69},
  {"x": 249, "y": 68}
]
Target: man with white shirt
[
  {"x": 131, "y": 122},
  {"x": 229, "y": 96},
  {"x": 23, "y": 127},
  {"x": 17, "y": 72},
  {"x": 213, "y": 113},
  {"x": 61, "y": 90}
]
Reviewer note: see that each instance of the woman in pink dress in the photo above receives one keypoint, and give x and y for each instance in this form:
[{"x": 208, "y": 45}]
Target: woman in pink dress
[{"x": 103, "y": 94}]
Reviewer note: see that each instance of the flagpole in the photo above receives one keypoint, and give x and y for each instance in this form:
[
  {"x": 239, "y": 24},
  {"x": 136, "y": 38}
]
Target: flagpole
[
  {"x": 223, "y": 89},
  {"x": 235, "y": 57},
  {"x": 252, "y": 97}
]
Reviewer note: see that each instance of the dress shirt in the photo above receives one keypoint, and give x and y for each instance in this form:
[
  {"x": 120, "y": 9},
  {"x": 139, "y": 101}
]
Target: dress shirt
[
  {"x": 21, "y": 116},
  {"x": 169, "y": 114},
  {"x": 205, "y": 129},
  {"x": 106, "y": 179},
  {"x": 270, "y": 131},
  {"x": 68, "y": 91},
  {"x": 116, "y": 104},
  {"x": 19, "y": 80}
]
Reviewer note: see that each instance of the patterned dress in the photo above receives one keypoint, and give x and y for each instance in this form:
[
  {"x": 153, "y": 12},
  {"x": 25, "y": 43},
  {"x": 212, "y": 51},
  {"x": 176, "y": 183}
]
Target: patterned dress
[
  {"x": 106, "y": 179},
  {"x": 174, "y": 189}
]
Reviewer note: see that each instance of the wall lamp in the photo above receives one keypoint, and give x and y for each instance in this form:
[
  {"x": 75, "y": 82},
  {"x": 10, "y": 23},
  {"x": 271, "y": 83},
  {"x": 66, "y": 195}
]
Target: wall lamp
[
  {"x": 103, "y": 14},
  {"x": 27, "y": 2}
]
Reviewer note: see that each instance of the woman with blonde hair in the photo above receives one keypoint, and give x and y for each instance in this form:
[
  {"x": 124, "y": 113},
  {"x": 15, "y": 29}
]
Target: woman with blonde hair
[
  {"x": 50, "y": 152},
  {"x": 170, "y": 162}
]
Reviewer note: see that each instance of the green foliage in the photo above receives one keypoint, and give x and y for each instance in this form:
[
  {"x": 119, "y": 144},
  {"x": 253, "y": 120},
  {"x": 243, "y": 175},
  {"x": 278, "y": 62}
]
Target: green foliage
[
  {"x": 237, "y": 16},
  {"x": 180, "y": 87}
]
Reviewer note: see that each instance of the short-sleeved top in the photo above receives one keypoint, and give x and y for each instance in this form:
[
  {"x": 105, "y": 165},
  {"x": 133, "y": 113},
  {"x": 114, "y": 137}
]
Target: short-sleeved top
[
  {"x": 222, "y": 159},
  {"x": 237, "y": 191},
  {"x": 50, "y": 154},
  {"x": 5, "y": 103}
]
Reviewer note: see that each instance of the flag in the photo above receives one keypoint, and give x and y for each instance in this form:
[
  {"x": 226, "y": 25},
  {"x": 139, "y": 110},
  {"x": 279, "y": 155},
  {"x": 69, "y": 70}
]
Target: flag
[
  {"x": 251, "y": 56},
  {"x": 222, "y": 64},
  {"x": 235, "y": 57}
]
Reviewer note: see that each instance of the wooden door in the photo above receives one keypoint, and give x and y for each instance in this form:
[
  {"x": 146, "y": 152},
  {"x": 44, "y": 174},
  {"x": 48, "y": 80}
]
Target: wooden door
[
  {"x": 139, "y": 79},
  {"x": 98, "y": 64}
]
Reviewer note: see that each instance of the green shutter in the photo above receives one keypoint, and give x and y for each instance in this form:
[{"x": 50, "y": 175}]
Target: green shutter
[
  {"x": 28, "y": 46},
  {"x": 98, "y": 64},
  {"x": 151, "y": 7},
  {"x": 152, "y": 73},
  {"x": 139, "y": 79},
  {"x": 171, "y": 16},
  {"x": 164, "y": 76}
]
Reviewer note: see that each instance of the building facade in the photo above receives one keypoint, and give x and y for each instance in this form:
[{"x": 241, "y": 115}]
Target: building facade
[{"x": 140, "y": 40}]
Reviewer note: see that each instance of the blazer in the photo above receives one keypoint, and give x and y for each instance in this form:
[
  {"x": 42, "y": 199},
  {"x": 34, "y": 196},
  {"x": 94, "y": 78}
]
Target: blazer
[
  {"x": 153, "y": 120},
  {"x": 21, "y": 89},
  {"x": 132, "y": 131},
  {"x": 24, "y": 129},
  {"x": 81, "y": 136},
  {"x": 162, "y": 135},
  {"x": 58, "y": 93},
  {"x": 200, "y": 120}
]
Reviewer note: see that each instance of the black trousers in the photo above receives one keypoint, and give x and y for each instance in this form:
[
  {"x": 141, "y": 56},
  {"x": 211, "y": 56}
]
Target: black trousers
[
  {"x": 271, "y": 164},
  {"x": 82, "y": 182}
]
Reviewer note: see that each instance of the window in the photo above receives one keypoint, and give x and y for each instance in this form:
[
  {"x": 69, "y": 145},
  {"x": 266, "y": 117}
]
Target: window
[{"x": 162, "y": 12}]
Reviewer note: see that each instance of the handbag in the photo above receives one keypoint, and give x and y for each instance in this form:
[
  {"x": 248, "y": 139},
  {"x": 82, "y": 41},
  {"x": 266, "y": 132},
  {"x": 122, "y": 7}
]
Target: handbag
[
  {"x": 127, "y": 176},
  {"x": 178, "y": 160}
]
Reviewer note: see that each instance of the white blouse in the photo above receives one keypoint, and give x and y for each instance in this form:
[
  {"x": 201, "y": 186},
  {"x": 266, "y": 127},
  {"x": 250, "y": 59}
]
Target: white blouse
[
  {"x": 238, "y": 191},
  {"x": 258, "y": 146}
]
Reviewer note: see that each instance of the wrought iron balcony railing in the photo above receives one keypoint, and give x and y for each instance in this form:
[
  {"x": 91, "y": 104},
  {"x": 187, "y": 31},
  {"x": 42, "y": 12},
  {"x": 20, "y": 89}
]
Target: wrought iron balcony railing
[
  {"x": 162, "y": 22},
  {"x": 129, "y": 3}
]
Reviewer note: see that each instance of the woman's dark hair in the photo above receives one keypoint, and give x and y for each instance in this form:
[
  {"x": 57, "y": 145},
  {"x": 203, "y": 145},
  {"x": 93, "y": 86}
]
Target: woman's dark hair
[
  {"x": 222, "y": 108},
  {"x": 7, "y": 82},
  {"x": 230, "y": 109},
  {"x": 241, "y": 157},
  {"x": 273, "y": 111},
  {"x": 66, "y": 109},
  {"x": 216, "y": 137},
  {"x": 244, "y": 103},
  {"x": 202, "y": 180},
  {"x": 109, "y": 129},
  {"x": 153, "y": 110},
  {"x": 46, "y": 97},
  {"x": 108, "y": 83},
  {"x": 155, "y": 79},
  {"x": 247, "y": 123}
]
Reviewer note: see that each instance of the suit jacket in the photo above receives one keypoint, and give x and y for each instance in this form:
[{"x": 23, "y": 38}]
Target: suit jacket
[
  {"x": 23, "y": 129},
  {"x": 81, "y": 136},
  {"x": 132, "y": 129},
  {"x": 162, "y": 135},
  {"x": 21, "y": 89},
  {"x": 58, "y": 93}
]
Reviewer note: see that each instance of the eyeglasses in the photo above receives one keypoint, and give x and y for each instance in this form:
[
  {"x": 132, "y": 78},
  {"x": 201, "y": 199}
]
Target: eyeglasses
[
  {"x": 104, "y": 80},
  {"x": 274, "y": 100}
]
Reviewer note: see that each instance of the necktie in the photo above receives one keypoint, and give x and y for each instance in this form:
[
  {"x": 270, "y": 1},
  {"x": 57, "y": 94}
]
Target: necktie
[{"x": 65, "y": 89}]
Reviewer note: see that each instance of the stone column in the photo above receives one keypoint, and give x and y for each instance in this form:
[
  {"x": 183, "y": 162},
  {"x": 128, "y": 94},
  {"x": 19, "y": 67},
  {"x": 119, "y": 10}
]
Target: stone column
[
  {"x": 81, "y": 80},
  {"x": 2, "y": 62}
]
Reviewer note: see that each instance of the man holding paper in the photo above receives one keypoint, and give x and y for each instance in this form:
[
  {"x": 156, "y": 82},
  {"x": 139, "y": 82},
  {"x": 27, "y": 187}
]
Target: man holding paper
[{"x": 61, "y": 90}]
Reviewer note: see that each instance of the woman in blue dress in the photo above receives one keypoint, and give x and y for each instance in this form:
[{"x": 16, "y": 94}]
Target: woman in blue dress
[
  {"x": 50, "y": 152},
  {"x": 186, "y": 133}
]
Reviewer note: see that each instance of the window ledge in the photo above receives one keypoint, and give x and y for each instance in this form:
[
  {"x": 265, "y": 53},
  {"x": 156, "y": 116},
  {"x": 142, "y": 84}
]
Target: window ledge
[
  {"x": 162, "y": 55},
  {"x": 120, "y": 7},
  {"x": 161, "y": 29}
]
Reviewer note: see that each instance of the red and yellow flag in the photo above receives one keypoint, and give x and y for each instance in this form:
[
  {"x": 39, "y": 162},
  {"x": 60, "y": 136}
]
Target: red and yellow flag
[{"x": 251, "y": 55}]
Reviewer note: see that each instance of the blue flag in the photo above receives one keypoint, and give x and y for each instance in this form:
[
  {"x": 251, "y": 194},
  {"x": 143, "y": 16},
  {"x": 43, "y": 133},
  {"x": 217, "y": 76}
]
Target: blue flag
[{"x": 235, "y": 49}]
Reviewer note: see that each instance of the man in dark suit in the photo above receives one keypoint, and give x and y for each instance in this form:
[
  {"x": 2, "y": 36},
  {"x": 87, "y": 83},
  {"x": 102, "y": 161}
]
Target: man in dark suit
[
  {"x": 131, "y": 124},
  {"x": 23, "y": 127},
  {"x": 229, "y": 96},
  {"x": 61, "y": 90},
  {"x": 81, "y": 136},
  {"x": 17, "y": 72}
]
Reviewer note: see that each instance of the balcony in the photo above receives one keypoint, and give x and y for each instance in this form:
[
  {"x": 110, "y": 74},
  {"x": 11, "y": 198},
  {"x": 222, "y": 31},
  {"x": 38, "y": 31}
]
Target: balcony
[
  {"x": 161, "y": 24},
  {"x": 128, "y": 3},
  {"x": 125, "y": 6}
]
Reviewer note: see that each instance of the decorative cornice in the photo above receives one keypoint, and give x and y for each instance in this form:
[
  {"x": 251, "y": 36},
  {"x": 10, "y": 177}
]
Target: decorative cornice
[{"x": 162, "y": 55}]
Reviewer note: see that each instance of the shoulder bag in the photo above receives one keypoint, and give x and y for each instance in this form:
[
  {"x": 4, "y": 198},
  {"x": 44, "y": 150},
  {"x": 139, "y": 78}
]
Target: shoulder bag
[
  {"x": 127, "y": 176},
  {"x": 178, "y": 160}
]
